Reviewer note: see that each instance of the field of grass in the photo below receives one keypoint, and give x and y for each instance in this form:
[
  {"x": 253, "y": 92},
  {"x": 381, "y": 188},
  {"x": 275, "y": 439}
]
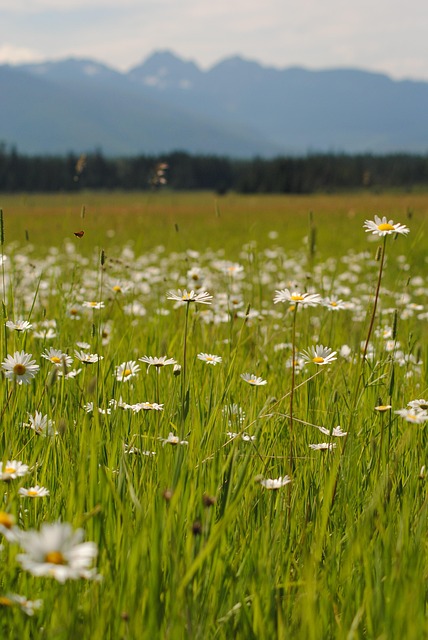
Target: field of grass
[{"x": 288, "y": 503}]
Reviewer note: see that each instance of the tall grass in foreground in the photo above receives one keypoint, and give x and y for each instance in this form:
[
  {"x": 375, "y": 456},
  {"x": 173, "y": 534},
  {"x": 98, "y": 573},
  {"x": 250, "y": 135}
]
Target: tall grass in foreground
[{"x": 179, "y": 477}]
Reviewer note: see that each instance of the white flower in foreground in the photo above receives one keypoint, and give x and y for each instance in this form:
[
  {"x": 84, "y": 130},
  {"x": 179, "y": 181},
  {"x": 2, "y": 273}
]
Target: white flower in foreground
[
  {"x": 323, "y": 446},
  {"x": 383, "y": 227},
  {"x": 34, "y": 492},
  {"x": 20, "y": 367},
  {"x": 172, "y": 439},
  {"x": 203, "y": 297},
  {"x": 7, "y": 526},
  {"x": 40, "y": 424},
  {"x": 319, "y": 355},
  {"x": 127, "y": 370},
  {"x": 57, "y": 551},
  {"x": 87, "y": 358},
  {"x": 209, "y": 358},
  {"x": 151, "y": 361},
  {"x": 15, "y": 600},
  {"x": 277, "y": 483},
  {"x": 93, "y": 305},
  {"x": 295, "y": 297},
  {"x": 253, "y": 380},
  {"x": 58, "y": 358},
  {"x": 13, "y": 469},
  {"x": 416, "y": 416},
  {"x": 19, "y": 325}
]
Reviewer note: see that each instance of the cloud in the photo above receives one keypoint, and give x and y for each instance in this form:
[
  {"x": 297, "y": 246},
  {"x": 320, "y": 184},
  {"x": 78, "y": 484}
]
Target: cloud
[{"x": 9, "y": 53}]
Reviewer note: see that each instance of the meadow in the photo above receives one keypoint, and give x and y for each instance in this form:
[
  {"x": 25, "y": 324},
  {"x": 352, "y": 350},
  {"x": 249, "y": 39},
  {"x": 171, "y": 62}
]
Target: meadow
[{"x": 213, "y": 416}]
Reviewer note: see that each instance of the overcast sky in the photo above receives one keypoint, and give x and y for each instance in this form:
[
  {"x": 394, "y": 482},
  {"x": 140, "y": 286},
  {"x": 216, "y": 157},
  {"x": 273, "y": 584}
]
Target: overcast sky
[{"x": 390, "y": 36}]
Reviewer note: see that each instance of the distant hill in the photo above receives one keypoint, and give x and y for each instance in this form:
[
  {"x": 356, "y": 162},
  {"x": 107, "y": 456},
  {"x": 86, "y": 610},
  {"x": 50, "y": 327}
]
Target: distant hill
[{"x": 238, "y": 108}]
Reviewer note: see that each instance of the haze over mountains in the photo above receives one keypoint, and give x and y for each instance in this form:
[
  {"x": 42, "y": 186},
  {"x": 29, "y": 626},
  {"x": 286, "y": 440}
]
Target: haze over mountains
[{"x": 238, "y": 108}]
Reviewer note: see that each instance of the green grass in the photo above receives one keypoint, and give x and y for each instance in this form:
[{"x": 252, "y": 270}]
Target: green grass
[{"x": 190, "y": 544}]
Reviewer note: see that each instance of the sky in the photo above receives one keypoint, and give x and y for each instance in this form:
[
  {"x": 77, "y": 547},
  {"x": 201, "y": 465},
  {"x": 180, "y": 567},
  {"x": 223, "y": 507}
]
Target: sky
[{"x": 388, "y": 36}]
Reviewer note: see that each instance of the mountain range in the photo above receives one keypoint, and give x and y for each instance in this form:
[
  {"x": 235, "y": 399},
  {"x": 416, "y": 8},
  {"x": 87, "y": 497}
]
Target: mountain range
[{"x": 238, "y": 108}]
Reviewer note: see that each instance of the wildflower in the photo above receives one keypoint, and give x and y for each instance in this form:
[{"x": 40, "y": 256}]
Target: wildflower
[
  {"x": 294, "y": 297},
  {"x": 20, "y": 367},
  {"x": 333, "y": 304},
  {"x": 244, "y": 436},
  {"x": 127, "y": 370},
  {"x": 57, "y": 551},
  {"x": 15, "y": 600},
  {"x": 40, "y": 424},
  {"x": 83, "y": 345},
  {"x": 234, "y": 412},
  {"x": 12, "y": 470},
  {"x": 255, "y": 381},
  {"x": 336, "y": 432},
  {"x": 177, "y": 370},
  {"x": 146, "y": 406},
  {"x": 93, "y": 305},
  {"x": 34, "y": 492},
  {"x": 319, "y": 355},
  {"x": 383, "y": 407},
  {"x": 277, "y": 483},
  {"x": 323, "y": 446},
  {"x": 58, "y": 357},
  {"x": 418, "y": 404},
  {"x": 383, "y": 227},
  {"x": 163, "y": 361},
  {"x": 209, "y": 358},
  {"x": 413, "y": 415},
  {"x": 7, "y": 526},
  {"x": 172, "y": 439},
  {"x": 87, "y": 358},
  {"x": 190, "y": 296},
  {"x": 19, "y": 325}
]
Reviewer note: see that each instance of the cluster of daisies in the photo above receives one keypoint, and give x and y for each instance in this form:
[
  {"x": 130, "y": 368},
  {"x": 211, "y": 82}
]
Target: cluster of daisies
[{"x": 132, "y": 286}]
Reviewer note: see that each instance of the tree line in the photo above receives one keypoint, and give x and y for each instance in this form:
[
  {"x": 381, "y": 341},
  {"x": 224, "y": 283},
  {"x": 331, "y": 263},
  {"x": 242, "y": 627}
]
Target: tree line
[{"x": 183, "y": 171}]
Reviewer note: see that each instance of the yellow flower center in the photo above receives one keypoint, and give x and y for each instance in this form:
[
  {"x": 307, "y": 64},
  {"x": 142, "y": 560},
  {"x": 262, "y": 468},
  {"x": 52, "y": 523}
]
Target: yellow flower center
[
  {"x": 55, "y": 557},
  {"x": 93, "y": 304},
  {"x": 6, "y": 602},
  {"x": 385, "y": 226},
  {"x": 117, "y": 289},
  {"x": 10, "y": 470},
  {"x": 318, "y": 360},
  {"x": 32, "y": 492},
  {"x": 19, "y": 369},
  {"x": 73, "y": 312},
  {"x": 6, "y": 520},
  {"x": 127, "y": 372},
  {"x": 383, "y": 407},
  {"x": 56, "y": 360},
  {"x": 296, "y": 297},
  {"x": 209, "y": 359},
  {"x": 333, "y": 304}
]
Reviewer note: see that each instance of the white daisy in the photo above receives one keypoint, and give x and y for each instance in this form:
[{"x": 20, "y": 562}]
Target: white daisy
[
  {"x": 58, "y": 357},
  {"x": 418, "y": 404},
  {"x": 34, "y": 492},
  {"x": 13, "y": 469},
  {"x": 7, "y": 526},
  {"x": 253, "y": 380},
  {"x": 40, "y": 424},
  {"x": 383, "y": 227},
  {"x": 333, "y": 304},
  {"x": 19, "y": 325},
  {"x": 336, "y": 431},
  {"x": 295, "y": 297},
  {"x": 163, "y": 361},
  {"x": 416, "y": 416},
  {"x": 20, "y": 367},
  {"x": 15, "y": 600},
  {"x": 146, "y": 406},
  {"x": 209, "y": 358},
  {"x": 87, "y": 358},
  {"x": 172, "y": 439},
  {"x": 190, "y": 296},
  {"x": 91, "y": 304},
  {"x": 319, "y": 355},
  {"x": 323, "y": 446},
  {"x": 275, "y": 483},
  {"x": 57, "y": 551},
  {"x": 127, "y": 370}
]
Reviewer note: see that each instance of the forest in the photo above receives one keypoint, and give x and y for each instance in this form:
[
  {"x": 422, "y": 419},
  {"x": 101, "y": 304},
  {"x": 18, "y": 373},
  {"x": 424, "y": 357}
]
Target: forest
[{"x": 182, "y": 171}]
